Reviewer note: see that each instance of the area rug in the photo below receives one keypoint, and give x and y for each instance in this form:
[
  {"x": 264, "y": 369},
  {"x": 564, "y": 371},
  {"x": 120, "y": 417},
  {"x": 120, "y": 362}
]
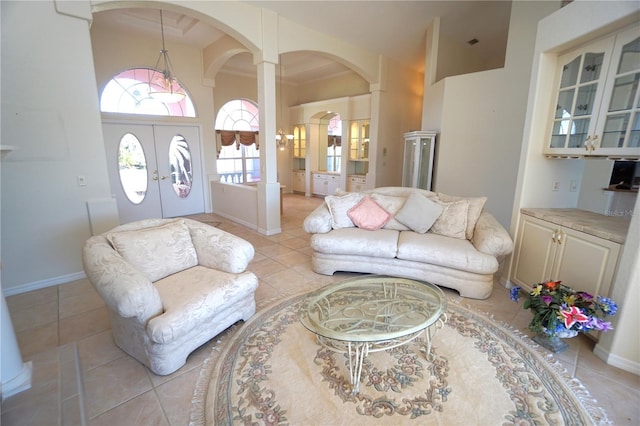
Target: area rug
[{"x": 270, "y": 370}]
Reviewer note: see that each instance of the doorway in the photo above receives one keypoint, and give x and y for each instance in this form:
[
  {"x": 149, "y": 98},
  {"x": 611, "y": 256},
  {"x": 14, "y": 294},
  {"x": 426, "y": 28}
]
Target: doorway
[{"x": 154, "y": 170}]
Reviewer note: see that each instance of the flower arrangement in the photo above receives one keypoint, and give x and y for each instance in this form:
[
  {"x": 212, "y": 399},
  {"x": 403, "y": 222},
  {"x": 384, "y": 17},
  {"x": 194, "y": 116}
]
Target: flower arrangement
[{"x": 559, "y": 310}]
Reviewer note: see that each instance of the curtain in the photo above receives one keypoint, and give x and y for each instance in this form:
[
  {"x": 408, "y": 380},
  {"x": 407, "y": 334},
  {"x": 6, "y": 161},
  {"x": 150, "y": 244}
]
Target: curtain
[{"x": 228, "y": 137}]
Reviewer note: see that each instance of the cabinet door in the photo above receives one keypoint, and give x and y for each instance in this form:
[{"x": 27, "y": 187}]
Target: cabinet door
[
  {"x": 319, "y": 184},
  {"x": 535, "y": 251},
  {"x": 619, "y": 125},
  {"x": 332, "y": 184},
  {"x": 585, "y": 262},
  {"x": 580, "y": 80}
]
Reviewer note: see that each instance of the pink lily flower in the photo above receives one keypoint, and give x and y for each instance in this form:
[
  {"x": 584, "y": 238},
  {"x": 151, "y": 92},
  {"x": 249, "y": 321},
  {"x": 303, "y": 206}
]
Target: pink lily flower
[{"x": 572, "y": 316}]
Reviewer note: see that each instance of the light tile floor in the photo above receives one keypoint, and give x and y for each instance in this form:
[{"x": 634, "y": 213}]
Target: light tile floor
[{"x": 53, "y": 323}]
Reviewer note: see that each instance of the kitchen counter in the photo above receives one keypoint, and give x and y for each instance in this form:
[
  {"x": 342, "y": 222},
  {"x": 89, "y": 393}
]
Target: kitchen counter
[{"x": 612, "y": 228}]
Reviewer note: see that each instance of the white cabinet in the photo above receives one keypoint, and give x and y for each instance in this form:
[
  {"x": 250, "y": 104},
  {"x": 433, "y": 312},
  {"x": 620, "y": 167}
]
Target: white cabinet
[
  {"x": 419, "y": 149},
  {"x": 546, "y": 251},
  {"x": 297, "y": 181},
  {"x": 324, "y": 184},
  {"x": 596, "y": 108},
  {"x": 356, "y": 183}
]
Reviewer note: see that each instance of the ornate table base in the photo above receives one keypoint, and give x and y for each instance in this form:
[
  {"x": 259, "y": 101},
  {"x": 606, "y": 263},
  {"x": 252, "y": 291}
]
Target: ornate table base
[{"x": 358, "y": 351}]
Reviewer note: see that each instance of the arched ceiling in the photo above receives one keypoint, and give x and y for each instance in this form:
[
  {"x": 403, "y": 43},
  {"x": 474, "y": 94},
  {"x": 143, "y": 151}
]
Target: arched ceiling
[{"x": 395, "y": 29}]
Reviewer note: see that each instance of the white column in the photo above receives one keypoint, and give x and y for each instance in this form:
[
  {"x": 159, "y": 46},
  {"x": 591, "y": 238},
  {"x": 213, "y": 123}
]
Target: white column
[
  {"x": 15, "y": 374},
  {"x": 268, "y": 187}
]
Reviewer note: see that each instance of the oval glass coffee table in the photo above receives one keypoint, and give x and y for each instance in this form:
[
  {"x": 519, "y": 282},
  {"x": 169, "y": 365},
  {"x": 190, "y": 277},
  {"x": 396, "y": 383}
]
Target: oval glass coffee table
[{"x": 373, "y": 313}]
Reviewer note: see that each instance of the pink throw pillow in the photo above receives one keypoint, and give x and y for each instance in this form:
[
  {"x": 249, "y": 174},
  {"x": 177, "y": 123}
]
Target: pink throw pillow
[{"x": 368, "y": 214}]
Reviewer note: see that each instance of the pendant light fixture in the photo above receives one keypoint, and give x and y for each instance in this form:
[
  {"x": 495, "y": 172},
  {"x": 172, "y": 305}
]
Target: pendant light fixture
[
  {"x": 282, "y": 137},
  {"x": 165, "y": 87}
]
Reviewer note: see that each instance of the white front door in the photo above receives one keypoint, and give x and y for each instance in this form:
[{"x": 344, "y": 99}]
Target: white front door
[{"x": 154, "y": 170}]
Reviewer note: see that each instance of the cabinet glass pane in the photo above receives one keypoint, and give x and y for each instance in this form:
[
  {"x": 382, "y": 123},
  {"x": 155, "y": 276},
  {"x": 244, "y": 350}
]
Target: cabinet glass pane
[
  {"x": 624, "y": 92},
  {"x": 180, "y": 164},
  {"x": 425, "y": 170},
  {"x": 592, "y": 66},
  {"x": 579, "y": 133},
  {"x": 565, "y": 100},
  {"x": 584, "y": 101},
  {"x": 570, "y": 73},
  {"x": 559, "y": 135},
  {"x": 634, "y": 137},
  {"x": 409, "y": 162},
  {"x": 614, "y": 130},
  {"x": 630, "y": 58}
]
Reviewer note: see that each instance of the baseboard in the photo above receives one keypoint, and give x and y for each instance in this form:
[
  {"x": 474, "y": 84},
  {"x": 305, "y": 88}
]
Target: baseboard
[
  {"x": 617, "y": 361},
  {"x": 37, "y": 285}
]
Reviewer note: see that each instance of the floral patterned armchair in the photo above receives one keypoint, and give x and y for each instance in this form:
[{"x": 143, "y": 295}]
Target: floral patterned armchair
[{"x": 170, "y": 285}]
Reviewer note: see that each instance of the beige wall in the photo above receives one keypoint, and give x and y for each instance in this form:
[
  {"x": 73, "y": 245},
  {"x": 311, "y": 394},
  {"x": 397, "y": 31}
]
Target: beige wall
[{"x": 480, "y": 119}]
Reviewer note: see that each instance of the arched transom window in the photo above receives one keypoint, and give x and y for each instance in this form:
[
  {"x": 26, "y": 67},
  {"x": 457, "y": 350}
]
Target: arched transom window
[{"x": 130, "y": 92}]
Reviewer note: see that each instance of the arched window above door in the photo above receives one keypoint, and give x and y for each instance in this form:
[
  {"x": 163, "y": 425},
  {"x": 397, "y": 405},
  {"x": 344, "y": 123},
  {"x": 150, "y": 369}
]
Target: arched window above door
[{"x": 128, "y": 93}]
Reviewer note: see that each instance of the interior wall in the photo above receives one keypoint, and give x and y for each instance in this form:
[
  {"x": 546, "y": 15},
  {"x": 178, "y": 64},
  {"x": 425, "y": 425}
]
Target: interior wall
[
  {"x": 348, "y": 84},
  {"x": 400, "y": 112},
  {"x": 49, "y": 113},
  {"x": 481, "y": 119}
]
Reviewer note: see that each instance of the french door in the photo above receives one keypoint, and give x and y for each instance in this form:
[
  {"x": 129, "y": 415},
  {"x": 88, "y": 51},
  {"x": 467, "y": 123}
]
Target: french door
[{"x": 154, "y": 170}]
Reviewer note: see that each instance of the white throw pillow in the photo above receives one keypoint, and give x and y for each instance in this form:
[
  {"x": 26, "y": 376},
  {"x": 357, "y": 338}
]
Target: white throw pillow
[
  {"x": 476, "y": 204},
  {"x": 339, "y": 206},
  {"x": 419, "y": 213},
  {"x": 157, "y": 252},
  {"x": 392, "y": 204},
  {"x": 453, "y": 220}
]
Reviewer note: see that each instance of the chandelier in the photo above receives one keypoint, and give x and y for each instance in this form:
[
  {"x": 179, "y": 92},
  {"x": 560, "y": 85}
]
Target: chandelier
[
  {"x": 281, "y": 136},
  {"x": 165, "y": 87}
]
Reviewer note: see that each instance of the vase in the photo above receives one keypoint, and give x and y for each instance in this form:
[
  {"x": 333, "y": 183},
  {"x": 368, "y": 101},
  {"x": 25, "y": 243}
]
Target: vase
[{"x": 554, "y": 343}]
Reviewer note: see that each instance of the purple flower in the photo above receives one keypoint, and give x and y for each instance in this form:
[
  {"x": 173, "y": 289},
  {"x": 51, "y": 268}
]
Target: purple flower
[
  {"x": 547, "y": 299},
  {"x": 514, "y": 293},
  {"x": 604, "y": 326},
  {"x": 585, "y": 296}
]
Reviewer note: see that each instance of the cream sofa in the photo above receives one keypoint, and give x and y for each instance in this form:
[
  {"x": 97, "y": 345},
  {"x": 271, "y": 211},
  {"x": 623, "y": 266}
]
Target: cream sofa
[
  {"x": 461, "y": 248},
  {"x": 170, "y": 285}
]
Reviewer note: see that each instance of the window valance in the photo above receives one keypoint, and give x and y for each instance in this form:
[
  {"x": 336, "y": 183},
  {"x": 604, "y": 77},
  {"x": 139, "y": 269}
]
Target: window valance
[{"x": 240, "y": 137}]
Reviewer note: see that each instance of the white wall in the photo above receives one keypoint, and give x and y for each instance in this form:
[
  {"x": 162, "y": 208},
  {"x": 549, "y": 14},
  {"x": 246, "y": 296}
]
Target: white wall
[
  {"x": 49, "y": 112},
  {"x": 481, "y": 119}
]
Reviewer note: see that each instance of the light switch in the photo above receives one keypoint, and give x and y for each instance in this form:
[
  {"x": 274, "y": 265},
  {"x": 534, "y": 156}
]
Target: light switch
[{"x": 82, "y": 181}]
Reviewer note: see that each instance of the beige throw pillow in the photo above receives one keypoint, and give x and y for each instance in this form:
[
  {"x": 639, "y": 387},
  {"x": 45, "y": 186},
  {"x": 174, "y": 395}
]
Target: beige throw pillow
[
  {"x": 391, "y": 204},
  {"x": 157, "y": 252},
  {"x": 419, "y": 213},
  {"x": 453, "y": 220},
  {"x": 476, "y": 204},
  {"x": 339, "y": 206}
]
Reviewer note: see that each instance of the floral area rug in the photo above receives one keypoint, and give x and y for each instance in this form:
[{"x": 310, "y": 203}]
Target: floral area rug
[{"x": 270, "y": 370}]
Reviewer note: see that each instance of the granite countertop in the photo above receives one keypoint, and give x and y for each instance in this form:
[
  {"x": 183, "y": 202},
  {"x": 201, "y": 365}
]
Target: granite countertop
[{"x": 612, "y": 228}]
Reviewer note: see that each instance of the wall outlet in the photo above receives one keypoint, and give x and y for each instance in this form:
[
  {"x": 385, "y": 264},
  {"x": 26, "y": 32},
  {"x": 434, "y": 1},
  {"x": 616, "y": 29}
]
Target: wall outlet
[{"x": 555, "y": 185}]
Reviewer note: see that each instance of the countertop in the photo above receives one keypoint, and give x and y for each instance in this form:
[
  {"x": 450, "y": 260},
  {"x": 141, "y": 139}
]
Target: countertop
[{"x": 612, "y": 228}]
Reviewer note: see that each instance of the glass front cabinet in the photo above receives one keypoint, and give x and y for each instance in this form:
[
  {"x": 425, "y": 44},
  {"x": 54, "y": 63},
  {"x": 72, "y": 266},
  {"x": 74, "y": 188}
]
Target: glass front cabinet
[
  {"x": 597, "y": 102},
  {"x": 359, "y": 141},
  {"x": 419, "y": 151},
  {"x": 299, "y": 141}
]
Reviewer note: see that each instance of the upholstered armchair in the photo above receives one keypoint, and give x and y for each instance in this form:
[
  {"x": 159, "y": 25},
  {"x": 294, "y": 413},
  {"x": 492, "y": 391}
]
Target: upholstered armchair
[{"x": 170, "y": 285}]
